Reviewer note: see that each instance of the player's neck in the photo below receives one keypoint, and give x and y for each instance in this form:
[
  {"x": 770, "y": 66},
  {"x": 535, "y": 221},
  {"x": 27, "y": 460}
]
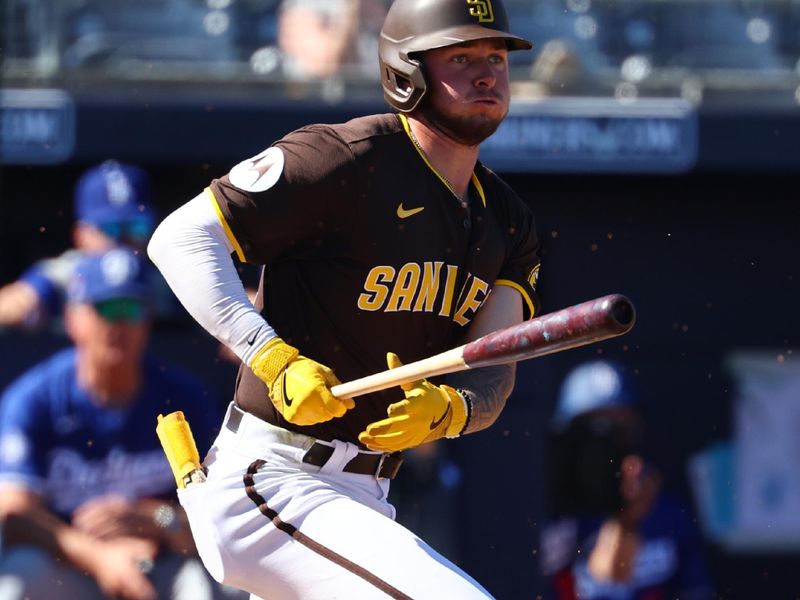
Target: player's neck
[
  {"x": 454, "y": 161},
  {"x": 110, "y": 387}
]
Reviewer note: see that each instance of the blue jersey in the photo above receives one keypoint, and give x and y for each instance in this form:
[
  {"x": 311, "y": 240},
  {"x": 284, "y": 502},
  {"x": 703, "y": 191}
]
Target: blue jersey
[
  {"x": 49, "y": 278},
  {"x": 56, "y": 442},
  {"x": 670, "y": 562}
]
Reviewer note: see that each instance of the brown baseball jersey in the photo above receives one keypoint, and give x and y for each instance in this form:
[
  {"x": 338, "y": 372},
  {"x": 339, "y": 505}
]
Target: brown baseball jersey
[{"x": 367, "y": 250}]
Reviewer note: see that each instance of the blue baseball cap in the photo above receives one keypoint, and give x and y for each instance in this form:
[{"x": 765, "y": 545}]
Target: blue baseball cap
[
  {"x": 593, "y": 386},
  {"x": 113, "y": 192},
  {"x": 114, "y": 275}
]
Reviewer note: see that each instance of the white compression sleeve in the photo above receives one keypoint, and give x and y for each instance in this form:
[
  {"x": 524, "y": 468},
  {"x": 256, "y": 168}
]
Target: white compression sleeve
[{"x": 193, "y": 253}]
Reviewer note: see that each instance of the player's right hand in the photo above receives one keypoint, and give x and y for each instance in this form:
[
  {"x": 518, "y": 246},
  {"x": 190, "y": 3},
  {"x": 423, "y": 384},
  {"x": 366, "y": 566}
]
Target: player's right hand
[
  {"x": 20, "y": 306},
  {"x": 298, "y": 386}
]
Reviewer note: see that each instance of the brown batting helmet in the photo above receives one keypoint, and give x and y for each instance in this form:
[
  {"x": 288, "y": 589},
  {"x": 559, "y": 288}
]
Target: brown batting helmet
[{"x": 413, "y": 26}]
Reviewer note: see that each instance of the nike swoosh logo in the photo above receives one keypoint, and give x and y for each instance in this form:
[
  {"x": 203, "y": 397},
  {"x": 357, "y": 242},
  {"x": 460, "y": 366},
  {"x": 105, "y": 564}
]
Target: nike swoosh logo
[
  {"x": 252, "y": 339},
  {"x": 286, "y": 400},
  {"x": 405, "y": 213},
  {"x": 435, "y": 424}
]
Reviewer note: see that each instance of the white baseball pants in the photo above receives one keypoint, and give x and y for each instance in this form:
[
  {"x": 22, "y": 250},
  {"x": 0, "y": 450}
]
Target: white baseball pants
[{"x": 281, "y": 529}]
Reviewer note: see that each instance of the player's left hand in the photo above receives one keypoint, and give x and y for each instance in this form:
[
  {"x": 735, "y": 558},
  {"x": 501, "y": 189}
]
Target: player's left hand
[{"x": 427, "y": 413}]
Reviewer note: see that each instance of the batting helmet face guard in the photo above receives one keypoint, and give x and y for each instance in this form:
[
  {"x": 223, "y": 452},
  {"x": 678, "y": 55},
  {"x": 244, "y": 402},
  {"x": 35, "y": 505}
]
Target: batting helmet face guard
[{"x": 414, "y": 26}]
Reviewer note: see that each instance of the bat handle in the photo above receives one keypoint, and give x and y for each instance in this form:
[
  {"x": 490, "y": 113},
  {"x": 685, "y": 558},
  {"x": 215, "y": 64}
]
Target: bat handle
[{"x": 446, "y": 362}]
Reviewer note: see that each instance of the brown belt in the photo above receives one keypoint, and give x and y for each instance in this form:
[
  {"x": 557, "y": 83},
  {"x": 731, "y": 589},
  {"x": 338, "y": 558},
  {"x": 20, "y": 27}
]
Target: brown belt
[{"x": 382, "y": 466}]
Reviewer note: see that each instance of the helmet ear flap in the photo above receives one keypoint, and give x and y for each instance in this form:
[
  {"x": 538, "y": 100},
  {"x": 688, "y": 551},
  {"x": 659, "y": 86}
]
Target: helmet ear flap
[
  {"x": 403, "y": 83},
  {"x": 400, "y": 85}
]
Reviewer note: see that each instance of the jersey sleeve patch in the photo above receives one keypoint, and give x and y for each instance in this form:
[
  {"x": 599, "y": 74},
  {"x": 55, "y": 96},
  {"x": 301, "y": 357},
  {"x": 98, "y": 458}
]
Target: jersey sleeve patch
[
  {"x": 259, "y": 173},
  {"x": 533, "y": 276}
]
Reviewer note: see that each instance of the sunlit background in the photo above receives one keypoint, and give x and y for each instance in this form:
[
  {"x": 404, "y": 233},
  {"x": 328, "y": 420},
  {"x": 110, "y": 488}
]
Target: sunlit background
[
  {"x": 693, "y": 49},
  {"x": 658, "y": 142}
]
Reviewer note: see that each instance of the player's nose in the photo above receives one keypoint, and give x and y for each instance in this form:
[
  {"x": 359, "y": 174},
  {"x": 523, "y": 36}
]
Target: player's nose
[{"x": 484, "y": 76}]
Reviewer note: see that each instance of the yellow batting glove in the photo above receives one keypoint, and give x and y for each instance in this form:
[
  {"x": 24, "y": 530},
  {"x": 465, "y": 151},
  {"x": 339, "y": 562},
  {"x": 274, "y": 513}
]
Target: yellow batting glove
[
  {"x": 427, "y": 413},
  {"x": 298, "y": 386}
]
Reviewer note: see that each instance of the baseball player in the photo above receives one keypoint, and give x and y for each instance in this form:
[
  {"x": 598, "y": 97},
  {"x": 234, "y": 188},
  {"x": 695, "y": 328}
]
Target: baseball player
[
  {"x": 382, "y": 239},
  {"x": 112, "y": 207},
  {"x": 87, "y": 501},
  {"x": 619, "y": 531}
]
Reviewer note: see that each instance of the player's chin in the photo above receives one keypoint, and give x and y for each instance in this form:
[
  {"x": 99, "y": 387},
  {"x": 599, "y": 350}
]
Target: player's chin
[
  {"x": 483, "y": 122},
  {"x": 486, "y": 116},
  {"x": 115, "y": 356}
]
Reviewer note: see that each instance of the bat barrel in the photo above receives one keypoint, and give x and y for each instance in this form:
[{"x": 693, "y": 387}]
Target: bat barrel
[
  {"x": 591, "y": 321},
  {"x": 585, "y": 323}
]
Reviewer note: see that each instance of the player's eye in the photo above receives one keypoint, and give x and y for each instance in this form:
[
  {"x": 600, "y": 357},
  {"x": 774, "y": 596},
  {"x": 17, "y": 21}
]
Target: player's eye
[
  {"x": 497, "y": 59},
  {"x": 459, "y": 58}
]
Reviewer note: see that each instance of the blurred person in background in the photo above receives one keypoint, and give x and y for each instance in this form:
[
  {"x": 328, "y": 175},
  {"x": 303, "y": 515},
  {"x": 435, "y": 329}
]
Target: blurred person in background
[
  {"x": 617, "y": 534},
  {"x": 321, "y": 38},
  {"x": 112, "y": 206},
  {"x": 87, "y": 498},
  {"x": 559, "y": 69}
]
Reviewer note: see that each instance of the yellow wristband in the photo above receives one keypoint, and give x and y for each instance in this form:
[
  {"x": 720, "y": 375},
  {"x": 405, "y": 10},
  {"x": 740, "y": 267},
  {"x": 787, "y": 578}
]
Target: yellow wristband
[
  {"x": 459, "y": 407},
  {"x": 270, "y": 361}
]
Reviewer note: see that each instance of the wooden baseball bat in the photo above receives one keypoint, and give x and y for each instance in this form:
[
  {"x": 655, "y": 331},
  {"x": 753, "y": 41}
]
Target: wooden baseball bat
[{"x": 585, "y": 323}]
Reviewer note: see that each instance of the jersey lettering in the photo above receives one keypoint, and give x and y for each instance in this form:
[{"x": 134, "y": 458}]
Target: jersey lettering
[
  {"x": 72, "y": 478},
  {"x": 449, "y": 288},
  {"x": 476, "y": 294},
  {"x": 405, "y": 288},
  {"x": 429, "y": 286},
  {"x": 393, "y": 291},
  {"x": 375, "y": 291}
]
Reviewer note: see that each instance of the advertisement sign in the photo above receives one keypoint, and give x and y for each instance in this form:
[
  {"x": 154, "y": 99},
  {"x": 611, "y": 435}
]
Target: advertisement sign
[
  {"x": 37, "y": 126},
  {"x": 648, "y": 135}
]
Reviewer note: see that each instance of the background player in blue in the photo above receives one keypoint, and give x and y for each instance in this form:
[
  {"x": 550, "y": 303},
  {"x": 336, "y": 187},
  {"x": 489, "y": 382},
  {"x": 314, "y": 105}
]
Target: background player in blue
[
  {"x": 618, "y": 534},
  {"x": 112, "y": 206},
  {"x": 84, "y": 485},
  {"x": 382, "y": 237}
]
